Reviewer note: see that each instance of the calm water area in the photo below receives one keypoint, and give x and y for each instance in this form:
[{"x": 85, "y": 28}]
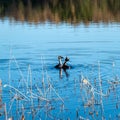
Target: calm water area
[
  {"x": 32, "y": 88},
  {"x": 84, "y": 45}
]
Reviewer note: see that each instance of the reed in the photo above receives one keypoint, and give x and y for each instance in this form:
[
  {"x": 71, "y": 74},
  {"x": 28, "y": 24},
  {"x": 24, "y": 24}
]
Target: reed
[
  {"x": 29, "y": 94},
  {"x": 34, "y": 99}
]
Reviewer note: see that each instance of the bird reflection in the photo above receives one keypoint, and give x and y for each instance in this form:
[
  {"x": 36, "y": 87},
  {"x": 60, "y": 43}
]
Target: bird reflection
[{"x": 61, "y": 73}]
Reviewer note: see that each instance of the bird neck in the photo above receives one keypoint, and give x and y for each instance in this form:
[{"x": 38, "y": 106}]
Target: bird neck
[
  {"x": 60, "y": 61},
  {"x": 64, "y": 62}
]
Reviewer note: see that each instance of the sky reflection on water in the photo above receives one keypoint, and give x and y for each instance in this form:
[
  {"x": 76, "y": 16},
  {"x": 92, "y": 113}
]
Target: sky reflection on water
[{"x": 84, "y": 45}]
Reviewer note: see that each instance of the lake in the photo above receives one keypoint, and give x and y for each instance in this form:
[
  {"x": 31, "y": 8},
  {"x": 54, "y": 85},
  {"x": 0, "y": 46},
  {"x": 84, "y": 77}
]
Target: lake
[{"x": 32, "y": 88}]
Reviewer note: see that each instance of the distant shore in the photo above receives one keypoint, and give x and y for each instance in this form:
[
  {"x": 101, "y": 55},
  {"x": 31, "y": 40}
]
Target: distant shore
[{"x": 55, "y": 11}]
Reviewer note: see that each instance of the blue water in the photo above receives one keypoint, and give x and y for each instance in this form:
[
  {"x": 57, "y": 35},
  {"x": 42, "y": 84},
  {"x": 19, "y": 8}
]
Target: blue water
[{"x": 39, "y": 45}]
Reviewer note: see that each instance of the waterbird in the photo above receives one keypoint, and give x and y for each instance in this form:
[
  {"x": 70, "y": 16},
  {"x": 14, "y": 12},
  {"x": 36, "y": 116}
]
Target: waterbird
[
  {"x": 59, "y": 66},
  {"x": 65, "y": 66},
  {"x": 62, "y": 65}
]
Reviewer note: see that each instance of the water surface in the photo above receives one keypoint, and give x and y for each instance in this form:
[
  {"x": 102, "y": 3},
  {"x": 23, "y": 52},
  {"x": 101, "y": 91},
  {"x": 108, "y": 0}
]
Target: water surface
[{"x": 32, "y": 87}]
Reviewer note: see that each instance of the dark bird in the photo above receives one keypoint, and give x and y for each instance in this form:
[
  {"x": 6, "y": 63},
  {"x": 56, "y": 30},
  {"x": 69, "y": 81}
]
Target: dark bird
[
  {"x": 60, "y": 65},
  {"x": 65, "y": 66}
]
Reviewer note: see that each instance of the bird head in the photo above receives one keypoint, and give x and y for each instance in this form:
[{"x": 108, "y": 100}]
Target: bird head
[
  {"x": 60, "y": 57},
  {"x": 67, "y": 59}
]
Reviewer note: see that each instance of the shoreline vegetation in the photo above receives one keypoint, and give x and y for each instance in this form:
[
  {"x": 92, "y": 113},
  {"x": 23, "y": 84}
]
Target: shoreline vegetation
[{"x": 57, "y": 11}]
